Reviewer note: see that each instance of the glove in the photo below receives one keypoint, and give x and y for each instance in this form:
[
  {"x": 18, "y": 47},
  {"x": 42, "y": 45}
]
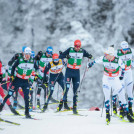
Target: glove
[
  {"x": 90, "y": 56},
  {"x": 122, "y": 74},
  {"x": 121, "y": 77},
  {"x": 11, "y": 78},
  {"x": 68, "y": 56},
  {"x": 89, "y": 65},
  {"x": 60, "y": 52},
  {"x": 40, "y": 52},
  {"x": 35, "y": 77},
  {"x": 46, "y": 84}
]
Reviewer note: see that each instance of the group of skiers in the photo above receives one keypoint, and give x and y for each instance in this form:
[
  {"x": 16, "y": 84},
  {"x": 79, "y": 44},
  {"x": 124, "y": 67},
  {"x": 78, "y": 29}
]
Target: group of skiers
[
  {"x": 46, "y": 69},
  {"x": 118, "y": 79}
]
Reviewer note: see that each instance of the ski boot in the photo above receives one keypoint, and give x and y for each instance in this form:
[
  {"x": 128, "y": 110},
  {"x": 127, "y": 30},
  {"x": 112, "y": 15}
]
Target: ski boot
[
  {"x": 129, "y": 117},
  {"x": 15, "y": 105},
  {"x": 114, "y": 109},
  {"x": 38, "y": 103},
  {"x": 27, "y": 115},
  {"x": 1, "y": 107},
  {"x": 13, "y": 110},
  {"x": 60, "y": 106},
  {"x": 75, "y": 109},
  {"x": 121, "y": 113},
  {"x": 44, "y": 108},
  {"x": 131, "y": 111},
  {"x": 66, "y": 106},
  {"x": 107, "y": 117}
]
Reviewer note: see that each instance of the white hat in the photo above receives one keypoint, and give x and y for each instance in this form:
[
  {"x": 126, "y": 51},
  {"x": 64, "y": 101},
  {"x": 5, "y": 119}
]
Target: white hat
[
  {"x": 124, "y": 44},
  {"x": 27, "y": 50},
  {"x": 109, "y": 50}
]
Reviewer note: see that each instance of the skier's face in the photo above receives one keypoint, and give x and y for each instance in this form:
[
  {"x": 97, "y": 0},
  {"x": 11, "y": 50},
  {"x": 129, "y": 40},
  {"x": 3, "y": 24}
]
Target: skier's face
[
  {"x": 109, "y": 57},
  {"x": 77, "y": 48},
  {"x": 48, "y": 54},
  {"x": 27, "y": 56}
]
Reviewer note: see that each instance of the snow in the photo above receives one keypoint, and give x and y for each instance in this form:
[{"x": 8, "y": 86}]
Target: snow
[
  {"x": 98, "y": 23},
  {"x": 64, "y": 123}
]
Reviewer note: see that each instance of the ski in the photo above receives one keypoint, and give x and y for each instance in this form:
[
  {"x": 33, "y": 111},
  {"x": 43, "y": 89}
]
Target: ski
[
  {"x": 63, "y": 111},
  {"x": 78, "y": 115},
  {"x": 16, "y": 115},
  {"x": 20, "y": 106},
  {"x": 107, "y": 122},
  {"x": 32, "y": 118},
  {"x": 121, "y": 119},
  {"x": 7, "y": 121}
]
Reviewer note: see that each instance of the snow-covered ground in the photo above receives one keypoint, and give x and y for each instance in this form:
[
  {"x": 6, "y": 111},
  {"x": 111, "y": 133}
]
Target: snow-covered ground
[{"x": 64, "y": 123}]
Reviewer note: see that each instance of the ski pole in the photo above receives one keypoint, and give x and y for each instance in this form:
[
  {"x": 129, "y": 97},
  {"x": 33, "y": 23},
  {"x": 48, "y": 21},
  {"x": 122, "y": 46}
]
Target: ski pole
[
  {"x": 83, "y": 77},
  {"x": 111, "y": 102},
  {"x": 7, "y": 121},
  {"x": 4, "y": 83},
  {"x": 102, "y": 107}
]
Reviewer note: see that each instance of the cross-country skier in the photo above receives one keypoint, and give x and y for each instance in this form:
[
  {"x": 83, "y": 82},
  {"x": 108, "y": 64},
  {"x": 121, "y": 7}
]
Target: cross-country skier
[
  {"x": 74, "y": 56},
  {"x": 24, "y": 66},
  {"x": 111, "y": 78},
  {"x": 43, "y": 60},
  {"x": 2, "y": 76},
  {"x": 125, "y": 53},
  {"x": 55, "y": 67},
  {"x": 10, "y": 63}
]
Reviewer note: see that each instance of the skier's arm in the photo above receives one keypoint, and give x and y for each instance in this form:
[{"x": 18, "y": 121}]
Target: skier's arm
[
  {"x": 38, "y": 56},
  {"x": 14, "y": 66},
  {"x": 15, "y": 57},
  {"x": 64, "y": 54},
  {"x": 122, "y": 65},
  {"x": 45, "y": 71},
  {"x": 86, "y": 54},
  {"x": 97, "y": 60},
  {"x": 36, "y": 66}
]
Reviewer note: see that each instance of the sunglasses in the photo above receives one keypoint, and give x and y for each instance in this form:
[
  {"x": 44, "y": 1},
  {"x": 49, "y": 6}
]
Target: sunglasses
[
  {"x": 77, "y": 46},
  {"x": 125, "y": 49},
  {"x": 56, "y": 59},
  {"x": 28, "y": 54}
]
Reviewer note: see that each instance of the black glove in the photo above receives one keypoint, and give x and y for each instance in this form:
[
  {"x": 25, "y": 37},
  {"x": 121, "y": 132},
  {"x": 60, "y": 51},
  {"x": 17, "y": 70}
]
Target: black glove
[
  {"x": 35, "y": 77},
  {"x": 46, "y": 84},
  {"x": 121, "y": 78},
  {"x": 40, "y": 53},
  {"x": 60, "y": 52},
  {"x": 89, "y": 65},
  {"x": 90, "y": 56},
  {"x": 68, "y": 56},
  {"x": 11, "y": 78},
  {"x": 122, "y": 74}
]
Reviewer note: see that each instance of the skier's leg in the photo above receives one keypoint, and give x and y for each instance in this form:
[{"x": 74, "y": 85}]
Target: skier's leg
[
  {"x": 14, "y": 86},
  {"x": 129, "y": 90},
  {"x": 76, "y": 82},
  {"x": 51, "y": 86},
  {"x": 107, "y": 91},
  {"x": 25, "y": 89}
]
